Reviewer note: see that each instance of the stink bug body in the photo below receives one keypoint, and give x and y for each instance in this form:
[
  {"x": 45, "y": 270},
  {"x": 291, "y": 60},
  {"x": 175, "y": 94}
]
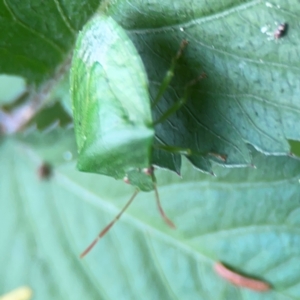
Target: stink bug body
[{"x": 111, "y": 104}]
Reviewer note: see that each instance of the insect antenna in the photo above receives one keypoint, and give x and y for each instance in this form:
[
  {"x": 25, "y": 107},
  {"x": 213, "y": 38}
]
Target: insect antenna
[
  {"x": 108, "y": 227},
  {"x": 161, "y": 211}
]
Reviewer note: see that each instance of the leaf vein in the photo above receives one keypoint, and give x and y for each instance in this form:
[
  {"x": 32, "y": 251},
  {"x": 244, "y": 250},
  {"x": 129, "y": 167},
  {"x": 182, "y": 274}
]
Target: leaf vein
[
  {"x": 213, "y": 132},
  {"x": 64, "y": 17},
  {"x": 253, "y": 123},
  {"x": 159, "y": 268},
  {"x": 34, "y": 32},
  {"x": 196, "y": 21}
]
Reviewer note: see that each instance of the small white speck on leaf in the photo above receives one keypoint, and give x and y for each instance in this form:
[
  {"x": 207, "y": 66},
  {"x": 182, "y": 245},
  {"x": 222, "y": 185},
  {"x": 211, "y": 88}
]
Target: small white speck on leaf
[
  {"x": 264, "y": 29},
  {"x": 268, "y": 4}
]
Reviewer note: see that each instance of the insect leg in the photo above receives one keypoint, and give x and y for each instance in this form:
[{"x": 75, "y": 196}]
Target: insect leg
[
  {"x": 176, "y": 106},
  {"x": 161, "y": 211},
  {"x": 168, "y": 77},
  {"x": 188, "y": 152},
  {"x": 106, "y": 229},
  {"x": 150, "y": 171}
]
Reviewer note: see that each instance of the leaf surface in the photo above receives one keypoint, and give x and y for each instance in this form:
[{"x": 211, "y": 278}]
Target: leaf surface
[
  {"x": 247, "y": 218},
  {"x": 37, "y": 36},
  {"x": 251, "y": 93}
]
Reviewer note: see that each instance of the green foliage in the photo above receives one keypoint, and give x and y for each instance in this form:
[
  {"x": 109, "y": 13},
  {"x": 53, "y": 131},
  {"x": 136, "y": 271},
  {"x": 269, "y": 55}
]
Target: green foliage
[
  {"x": 36, "y": 37},
  {"x": 245, "y": 217},
  {"x": 249, "y": 75},
  {"x": 248, "y": 218},
  {"x": 8, "y": 94}
]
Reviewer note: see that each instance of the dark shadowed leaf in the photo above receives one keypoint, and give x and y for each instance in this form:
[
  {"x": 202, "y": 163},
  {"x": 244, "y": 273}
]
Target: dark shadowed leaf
[{"x": 251, "y": 93}]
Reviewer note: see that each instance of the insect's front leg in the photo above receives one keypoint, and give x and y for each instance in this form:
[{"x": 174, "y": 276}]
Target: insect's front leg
[
  {"x": 177, "y": 105},
  {"x": 170, "y": 74}
]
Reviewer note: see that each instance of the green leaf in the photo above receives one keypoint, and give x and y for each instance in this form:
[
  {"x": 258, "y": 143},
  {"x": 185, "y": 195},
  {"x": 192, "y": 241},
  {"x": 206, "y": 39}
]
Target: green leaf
[
  {"x": 37, "y": 36},
  {"x": 52, "y": 115},
  {"x": 62, "y": 93},
  {"x": 9, "y": 94},
  {"x": 249, "y": 97},
  {"x": 251, "y": 93},
  {"x": 247, "y": 218}
]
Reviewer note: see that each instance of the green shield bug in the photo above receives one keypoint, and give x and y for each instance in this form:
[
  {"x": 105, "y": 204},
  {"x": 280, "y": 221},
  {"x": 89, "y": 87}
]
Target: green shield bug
[{"x": 111, "y": 108}]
